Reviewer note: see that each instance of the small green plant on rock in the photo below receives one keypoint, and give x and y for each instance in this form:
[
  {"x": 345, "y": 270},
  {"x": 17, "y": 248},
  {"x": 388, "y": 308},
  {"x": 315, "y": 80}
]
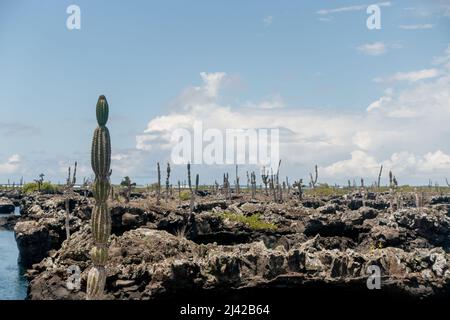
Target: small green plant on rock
[
  {"x": 185, "y": 195},
  {"x": 253, "y": 221}
]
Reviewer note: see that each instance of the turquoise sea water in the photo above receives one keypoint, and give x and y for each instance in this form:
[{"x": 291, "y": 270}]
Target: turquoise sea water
[{"x": 13, "y": 286}]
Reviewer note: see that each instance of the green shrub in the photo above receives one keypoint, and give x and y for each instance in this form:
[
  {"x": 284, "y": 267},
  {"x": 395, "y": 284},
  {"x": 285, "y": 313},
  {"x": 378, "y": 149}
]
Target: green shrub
[
  {"x": 253, "y": 222},
  {"x": 46, "y": 187},
  {"x": 185, "y": 195}
]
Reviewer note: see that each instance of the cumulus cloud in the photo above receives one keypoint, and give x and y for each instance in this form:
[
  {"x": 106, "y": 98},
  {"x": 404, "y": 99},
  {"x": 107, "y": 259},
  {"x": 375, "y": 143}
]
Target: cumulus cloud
[
  {"x": 120, "y": 156},
  {"x": 404, "y": 163},
  {"x": 128, "y": 162},
  {"x": 378, "y": 104},
  {"x": 11, "y": 165},
  {"x": 312, "y": 131},
  {"x": 405, "y": 129},
  {"x": 443, "y": 60},
  {"x": 360, "y": 165},
  {"x": 212, "y": 83},
  {"x": 271, "y": 102},
  {"x": 426, "y": 100}
]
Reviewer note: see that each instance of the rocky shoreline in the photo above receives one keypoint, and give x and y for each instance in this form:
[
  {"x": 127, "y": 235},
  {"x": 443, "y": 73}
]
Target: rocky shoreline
[
  {"x": 157, "y": 252},
  {"x": 7, "y": 217}
]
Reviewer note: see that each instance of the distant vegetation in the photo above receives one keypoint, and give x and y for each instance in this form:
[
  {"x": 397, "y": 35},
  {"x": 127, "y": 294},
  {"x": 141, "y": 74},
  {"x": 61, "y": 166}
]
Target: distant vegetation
[
  {"x": 45, "y": 187},
  {"x": 326, "y": 190}
]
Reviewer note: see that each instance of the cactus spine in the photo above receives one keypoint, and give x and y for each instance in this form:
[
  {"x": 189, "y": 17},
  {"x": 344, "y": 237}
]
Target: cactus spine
[{"x": 100, "y": 219}]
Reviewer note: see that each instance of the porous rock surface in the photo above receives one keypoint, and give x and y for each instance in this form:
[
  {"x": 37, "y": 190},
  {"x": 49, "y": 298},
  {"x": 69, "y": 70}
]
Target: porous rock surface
[{"x": 157, "y": 253}]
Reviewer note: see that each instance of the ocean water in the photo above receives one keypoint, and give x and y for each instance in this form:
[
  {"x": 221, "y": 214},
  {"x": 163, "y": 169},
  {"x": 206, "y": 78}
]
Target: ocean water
[{"x": 13, "y": 286}]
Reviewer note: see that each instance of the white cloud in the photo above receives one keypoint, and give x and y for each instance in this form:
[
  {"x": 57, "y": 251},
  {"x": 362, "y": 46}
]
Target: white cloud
[
  {"x": 405, "y": 128},
  {"x": 128, "y": 163},
  {"x": 416, "y": 26},
  {"x": 443, "y": 60},
  {"x": 341, "y": 9},
  {"x": 352, "y": 8},
  {"x": 373, "y": 49},
  {"x": 438, "y": 8},
  {"x": 212, "y": 82},
  {"x": 304, "y": 127},
  {"x": 424, "y": 100},
  {"x": 416, "y": 75},
  {"x": 375, "y": 139},
  {"x": 11, "y": 165},
  {"x": 377, "y": 104},
  {"x": 119, "y": 156},
  {"x": 271, "y": 102},
  {"x": 434, "y": 162},
  {"x": 411, "y": 76},
  {"x": 268, "y": 20},
  {"x": 359, "y": 165},
  {"x": 401, "y": 163}
]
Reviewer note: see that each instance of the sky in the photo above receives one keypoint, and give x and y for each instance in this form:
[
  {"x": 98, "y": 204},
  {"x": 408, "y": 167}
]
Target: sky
[{"x": 344, "y": 97}]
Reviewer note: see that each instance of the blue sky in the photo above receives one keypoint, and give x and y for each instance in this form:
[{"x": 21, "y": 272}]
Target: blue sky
[{"x": 312, "y": 57}]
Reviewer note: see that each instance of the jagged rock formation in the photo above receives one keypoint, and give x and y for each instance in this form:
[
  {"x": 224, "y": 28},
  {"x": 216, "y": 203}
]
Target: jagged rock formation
[
  {"x": 158, "y": 252},
  {"x": 7, "y": 222},
  {"x": 40, "y": 227},
  {"x": 151, "y": 264},
  {"x": 6, "y": 206}
]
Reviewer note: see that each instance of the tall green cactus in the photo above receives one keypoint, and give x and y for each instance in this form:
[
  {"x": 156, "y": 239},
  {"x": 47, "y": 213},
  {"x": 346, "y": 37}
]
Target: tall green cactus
[
  {"x": 167, "y": 182},
  {"x": 192, "y": 201},
  {"x": 100, "y": 219},
  {"x": 158, "y": 185}
]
